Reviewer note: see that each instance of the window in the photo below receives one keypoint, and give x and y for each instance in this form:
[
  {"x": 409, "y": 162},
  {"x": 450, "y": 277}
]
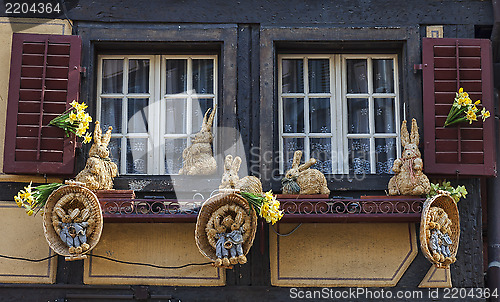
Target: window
[
  {"x": 155, "y": 105},
  {"x": 342, "y": 110}
]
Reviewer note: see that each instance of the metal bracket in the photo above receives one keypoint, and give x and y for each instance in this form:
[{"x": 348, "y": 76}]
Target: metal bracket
[
  {"x": 418, "y": 67},
  {"x": 83, "y": 71}
]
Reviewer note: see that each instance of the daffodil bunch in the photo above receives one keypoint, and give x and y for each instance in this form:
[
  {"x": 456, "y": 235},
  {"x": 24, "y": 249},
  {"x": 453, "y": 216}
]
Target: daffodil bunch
[
  {"x": 455, "y": 193},
  {"x": 267, "y": 206},
  {"x": 464, "y": 109},
  {"x": 33, "y": 199},
  {"x": 74, "y": 120}
]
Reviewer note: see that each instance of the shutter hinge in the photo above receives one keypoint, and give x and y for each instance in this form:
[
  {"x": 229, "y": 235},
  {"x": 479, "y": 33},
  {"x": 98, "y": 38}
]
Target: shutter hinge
[
  {"x": 418, "y": 67},
  {"x": 83, "y": 71}
]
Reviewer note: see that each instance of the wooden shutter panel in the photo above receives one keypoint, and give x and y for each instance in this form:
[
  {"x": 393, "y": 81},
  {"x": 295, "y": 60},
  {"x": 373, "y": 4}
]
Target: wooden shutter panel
[
  {"x": 449, "y": 64},
  {"x": 44, "y": 79}
]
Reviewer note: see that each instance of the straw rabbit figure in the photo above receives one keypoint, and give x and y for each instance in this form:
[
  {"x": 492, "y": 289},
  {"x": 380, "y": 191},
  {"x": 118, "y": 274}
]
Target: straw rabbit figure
[
  {"x": 99, "y": 171},
  {"x": 309, "y": 181},
  {"x": 409, "y": 178},
  {"x": 230, "y": 179},
  {"x": 198, "y": 158}
]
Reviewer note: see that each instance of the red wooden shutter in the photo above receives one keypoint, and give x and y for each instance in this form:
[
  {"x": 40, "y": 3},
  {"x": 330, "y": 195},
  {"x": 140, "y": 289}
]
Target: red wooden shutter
[
  {"x": 44, "y": 79},
  {"x": 449, "y": 64}
]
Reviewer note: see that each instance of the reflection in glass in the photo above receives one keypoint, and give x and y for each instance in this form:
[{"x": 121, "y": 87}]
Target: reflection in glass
[
  {"x": 176, "y": 76},
  {"x": 357, "y": 76},
  {"x": 114, "y": 147},
  {"x": 321, "y": 150},
  {"x": 138, "y": 76},
  {"x": 293, "y": 115},
  {"x": 200, "y": 106},
  {"x": 319, "y": 75},
  {"x": 111, "y": 114},
  {"x": 384, "y": 115},
  {"x": 383, "y": 76},
  {"x": 137, "y": 160},
  {"x": 290, "y": 145},
  {"x": 175, "y": 117},
  {"x": 138, "y": 115},
  {"x": 385, "y": 154},
  {"x": 359, "y": 156},
  {"x": 320, "y": 120},
  {"x": 358, "y": 119},
  {"x": 203, "y": 76},
  {"x": 112, "y": 76},
  {"x": 173, "y": 155},
  {"x": 293, "y": 76}
]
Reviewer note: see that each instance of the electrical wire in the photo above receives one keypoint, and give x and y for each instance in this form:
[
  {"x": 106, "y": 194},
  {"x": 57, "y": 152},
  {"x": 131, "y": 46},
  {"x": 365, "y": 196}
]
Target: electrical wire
[
  {"x": 27, "y": 259},
  {"x": 287, "y": 234}
]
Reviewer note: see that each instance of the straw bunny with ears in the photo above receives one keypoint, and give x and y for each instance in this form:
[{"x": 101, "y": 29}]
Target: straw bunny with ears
[
  {"x": 302, "y": 180},
  {"x": 231, "y": 180},
  {"x": 409, "y": 178},
  {"x": 99, "y": 171},
  {"x": 198, "y": 158}
]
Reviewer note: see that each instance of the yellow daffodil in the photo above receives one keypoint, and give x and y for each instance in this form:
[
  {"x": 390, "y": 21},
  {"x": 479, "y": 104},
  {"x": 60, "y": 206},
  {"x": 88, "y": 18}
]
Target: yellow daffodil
[
  {"x": 485, "y": 114},
  {"x": 72, "y": 117},
  {"x": 74, "y": 104},
  {"x": 87, "y": 138},
  {"x": 269, "y": 195},
  {"x": 81, "y": 130},
  {"x": 471, "y": 116},
  {"x": 81, "y": 107},
  {"x": 477, "y": 102},
  {"x": 29, "y": 212}
]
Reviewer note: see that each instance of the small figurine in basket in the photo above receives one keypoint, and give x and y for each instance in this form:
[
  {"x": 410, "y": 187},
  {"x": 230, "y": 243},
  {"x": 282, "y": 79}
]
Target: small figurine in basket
[
  {"x": 99, "y": 171},
  {"x": 300, "y": 179},
  {"x": 409, "y": 178},
  {"x": 72, "y": 228},
  {"x": 198, "y": 158},
  {"x": 235, "y": 237},
  {"x": 231, "y": 180}
]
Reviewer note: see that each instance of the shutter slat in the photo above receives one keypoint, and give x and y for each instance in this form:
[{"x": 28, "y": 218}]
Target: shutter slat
[
  {"x": 44, "y": 80},
  {"x": 465, "y": 148}
]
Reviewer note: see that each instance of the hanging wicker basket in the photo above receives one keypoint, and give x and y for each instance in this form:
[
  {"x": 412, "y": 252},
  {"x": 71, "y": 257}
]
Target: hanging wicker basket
[
  {"x": 446, "y": 203},
  {"x": 72, "y": 197},
  {"x": 227, "y": 202}
]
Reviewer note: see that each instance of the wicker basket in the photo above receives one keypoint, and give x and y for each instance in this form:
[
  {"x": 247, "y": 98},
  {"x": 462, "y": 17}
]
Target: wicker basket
[
  {"x": 86, "y": 199},
  {"x": 210, "y": 206},
  {"x": 446, "y": 203}
]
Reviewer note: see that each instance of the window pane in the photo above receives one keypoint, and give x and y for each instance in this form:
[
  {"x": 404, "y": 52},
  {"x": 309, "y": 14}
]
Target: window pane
[
  {"x": 319, "y": 76},
  {"x": 320, "y": 120},
  {"x": 293, "y": 75},
  {"x": 173, "y": 155},
  {"x": 385, "y": 153},
  {"x": 137, "y": 150},
  {"x": 200, "y": 106},
  {"x": 357, "y": 76},
  {"x": 358, "y": 120},
  {"x": 293, "y": 115},
  {"x": 321, "y": 150},
  {"x": 111, "y": 114},
  {"x": 138, "y": 115},
  {"x": 138, "y": 76},
  {"x": 290, "y": 145},
  {"x": 114, "y": 147},
  {"x": 175, "y": 118},
  {"x": 203, "y": 76},
  {"x": 112, "y": 76},
  {"x": 384, "y": 115},
  {"x": 176, "y": 76},
  {"x": 359, "y": 156},
  {"x": 383, "y": 76}
]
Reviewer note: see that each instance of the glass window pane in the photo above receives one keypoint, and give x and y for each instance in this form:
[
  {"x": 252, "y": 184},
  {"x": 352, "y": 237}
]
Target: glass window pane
[
  {"x": 112, "y": 76},
  {"x": 176, "y": 76},
  {"x": 290, "y": 145},
  {"x": 137, "y": 151},
  {"x": 385, "y": 154},
  {"x": 319, "y": 76},
  {"x": 138, "y": 115},
  {"x": 359, "y": 156},
  {"x": 320, "y": 120},
  {"x": 173, "y": 155},
  {"x": 357, "y": 76},
  {"x": 203, "y": 76},
  {"x": 293, "y": 75},
  {"x": 111, "y": 114},
  {"x": 175, "y": 118},
  {"x": 293, "y": 115},
  {"x": 358, "y": 120},
  {"x": 383, "y": 76},
  {"x": 384, "y": 115},
  {"x": 321, "y": 150},
  {"x": 138, "y": 76},
  {"x": 200, "y": 106},
  {"x": 114, "y": 147}
]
